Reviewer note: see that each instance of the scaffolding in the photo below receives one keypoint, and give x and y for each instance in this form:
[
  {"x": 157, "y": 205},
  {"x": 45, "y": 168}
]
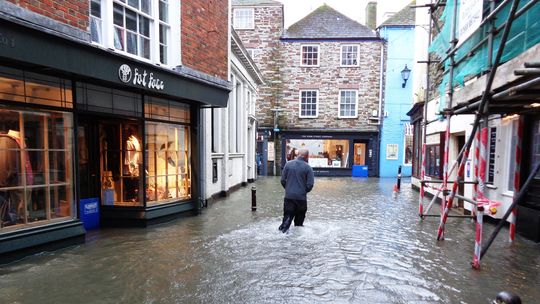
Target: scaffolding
[{"x": 460, "y": 60}]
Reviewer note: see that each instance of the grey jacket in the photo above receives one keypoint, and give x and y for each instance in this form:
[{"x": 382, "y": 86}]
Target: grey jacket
[{"x": 297, "y": 179}]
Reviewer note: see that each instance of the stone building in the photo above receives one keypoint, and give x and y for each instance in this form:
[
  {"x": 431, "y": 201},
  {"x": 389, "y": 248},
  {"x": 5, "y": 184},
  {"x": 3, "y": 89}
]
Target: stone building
[
  {"x": 101, "y": 114},
  {"x": 324, "y": 86}
]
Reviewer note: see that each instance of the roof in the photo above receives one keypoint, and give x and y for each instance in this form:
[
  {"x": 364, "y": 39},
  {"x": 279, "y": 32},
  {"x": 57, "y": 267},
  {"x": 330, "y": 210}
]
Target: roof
[
  {"x": 406, "y": 16},
  {"x": 325, "y": 22},
  {"x": 255, "y": 2}
]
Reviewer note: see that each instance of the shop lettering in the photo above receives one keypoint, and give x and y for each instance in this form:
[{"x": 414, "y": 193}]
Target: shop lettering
[{"x": 140, "y": 78}]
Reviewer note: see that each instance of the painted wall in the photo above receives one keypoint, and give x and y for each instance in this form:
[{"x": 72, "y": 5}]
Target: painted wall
[{"x": 397, "y": 100}]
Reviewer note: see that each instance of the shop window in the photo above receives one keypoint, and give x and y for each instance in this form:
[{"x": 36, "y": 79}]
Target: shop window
[
  {"x": 121, "y": 162},
  {"x": 310, "y": 55},
  {"x": 492, "y": 156},
  {"x": 142, "y": 28},
  {"x": 308, "y": 104},
  {"x": 168, "y": 162},
  {"x": 106, "y": 100},
  {"x": 408, "y": 145},
  {"x": 21, "y": 86},
  {"x": 166, "y": 110},
  {"x": 323, "y": 153},
  {"x": 243, "y": 18},
  {"x": 349, "y": 55},
  {"x": 35, "y": 168},
  {"x": 433, "y": 161}
]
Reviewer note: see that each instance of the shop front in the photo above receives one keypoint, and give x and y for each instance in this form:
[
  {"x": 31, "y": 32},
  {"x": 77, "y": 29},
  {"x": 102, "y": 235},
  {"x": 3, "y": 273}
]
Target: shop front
[
  {"x": 82, "y": 124},
  {"x": 333, "y": 153}
]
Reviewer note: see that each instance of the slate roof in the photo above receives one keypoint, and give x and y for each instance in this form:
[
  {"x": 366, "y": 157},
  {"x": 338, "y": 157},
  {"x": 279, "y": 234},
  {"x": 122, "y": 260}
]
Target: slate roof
[
  {"x": 406, "y": 16},
  {"x": 326, "y": 23},
  {"x": 255, "y": 2}
]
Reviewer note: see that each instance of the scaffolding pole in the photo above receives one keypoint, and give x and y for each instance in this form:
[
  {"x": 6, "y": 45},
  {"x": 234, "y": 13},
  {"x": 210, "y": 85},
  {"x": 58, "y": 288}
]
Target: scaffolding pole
[{"x": 479, "y": 132}]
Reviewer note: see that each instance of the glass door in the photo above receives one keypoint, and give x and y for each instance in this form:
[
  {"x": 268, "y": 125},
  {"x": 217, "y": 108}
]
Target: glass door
[{"x": 359, "y": 154}]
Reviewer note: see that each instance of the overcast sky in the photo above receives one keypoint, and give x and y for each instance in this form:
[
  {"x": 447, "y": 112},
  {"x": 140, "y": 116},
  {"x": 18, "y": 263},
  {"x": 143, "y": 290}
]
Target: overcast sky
[
  {"x": 298, "y": 9},
  {"x": 354, "y": 9}
]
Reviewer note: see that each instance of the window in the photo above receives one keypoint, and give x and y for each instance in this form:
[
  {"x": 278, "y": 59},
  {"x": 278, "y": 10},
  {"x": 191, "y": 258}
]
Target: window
[
  {"x": 323, "y": 153},
  {"x": 348, "y": 103},
  {"x": 349, "y": 55},
  {"x": 243, "y": 18},
  {"x": 512, "y": 163},
  {"x": 36, "y": 172},
  {"x": 310, "y": 55},
  {"x": 308, "y": 104},
  {"x": 168, "y": 177},
  {"x": 492, "y": 156},
  {"x": 408, "y": 145},
  {"x": 392, "y": 151},
  {"x": 433, "y": 161},
  {"x": 96, "y": 21},
  {"x": 141, "y": 28}
]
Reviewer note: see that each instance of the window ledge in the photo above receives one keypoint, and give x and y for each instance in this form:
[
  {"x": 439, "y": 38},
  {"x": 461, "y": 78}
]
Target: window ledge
[
  {"x": 490, "y": 186},
  {"x": 508, "y": 194},
  {"x": 218, "y": 155},
  {"x": 236, "y": 155}
]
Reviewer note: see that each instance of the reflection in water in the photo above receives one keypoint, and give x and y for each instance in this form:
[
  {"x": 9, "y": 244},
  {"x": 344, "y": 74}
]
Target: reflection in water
[{"x": 358, "y": 245}]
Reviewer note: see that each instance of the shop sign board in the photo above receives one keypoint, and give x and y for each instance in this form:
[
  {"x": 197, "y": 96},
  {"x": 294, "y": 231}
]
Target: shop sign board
[
  {"x": 140, "y": 77},
  {"x": 470, "y": 17}
]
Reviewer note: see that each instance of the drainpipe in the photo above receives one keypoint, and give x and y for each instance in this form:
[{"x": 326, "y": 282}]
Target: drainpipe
[{"x": 381, "y": 77}]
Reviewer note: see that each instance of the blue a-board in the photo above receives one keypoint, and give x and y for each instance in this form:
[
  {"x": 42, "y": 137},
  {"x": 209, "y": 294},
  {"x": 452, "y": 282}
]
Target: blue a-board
[
  {"x": 89, "y": 208},
  {"x": 359, "y": 171}
]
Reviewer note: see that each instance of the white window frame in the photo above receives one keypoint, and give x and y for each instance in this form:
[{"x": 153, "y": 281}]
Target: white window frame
[
  {"x": 316, "y": 104},
  {"x": 249, "y": 25},
  {"x": 395, "y": 147},
  {"x": 173, "y": 37},
  {"x": 355, "y": 104},
  {"x": 302, "y": 55},
  {"x": 357, "y": 55}
]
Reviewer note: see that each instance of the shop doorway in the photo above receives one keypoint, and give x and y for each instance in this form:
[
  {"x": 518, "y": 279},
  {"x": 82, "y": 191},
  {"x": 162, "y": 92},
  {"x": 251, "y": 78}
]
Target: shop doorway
[
  {"x": 110, "y": 158},
  {"x": 359, "y": 154}
]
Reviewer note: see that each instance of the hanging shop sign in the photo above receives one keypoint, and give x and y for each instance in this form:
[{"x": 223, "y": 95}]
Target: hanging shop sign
[{"x": 140, "y": 77}]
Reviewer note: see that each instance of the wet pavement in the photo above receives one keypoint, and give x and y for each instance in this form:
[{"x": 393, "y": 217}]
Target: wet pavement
[{"x": 359, "y": 245}]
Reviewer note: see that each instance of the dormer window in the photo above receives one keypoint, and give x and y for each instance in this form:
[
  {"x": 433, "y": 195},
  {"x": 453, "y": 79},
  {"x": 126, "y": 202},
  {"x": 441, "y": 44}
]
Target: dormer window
[{"x": 243, "y": 19}]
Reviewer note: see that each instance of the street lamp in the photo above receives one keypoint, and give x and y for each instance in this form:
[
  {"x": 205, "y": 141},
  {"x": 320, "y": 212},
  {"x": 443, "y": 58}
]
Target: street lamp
[{"x": 405, "y": 73}]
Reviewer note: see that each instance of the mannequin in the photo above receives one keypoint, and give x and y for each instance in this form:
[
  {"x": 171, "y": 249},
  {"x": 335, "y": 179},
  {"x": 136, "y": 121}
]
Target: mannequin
[{"x": 132, "y": 154}]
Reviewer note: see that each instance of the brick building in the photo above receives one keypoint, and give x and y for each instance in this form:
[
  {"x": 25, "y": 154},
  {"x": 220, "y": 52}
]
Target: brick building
[
  {"x": 324, "y": 86},
  {"x": 100, "y": 113}
]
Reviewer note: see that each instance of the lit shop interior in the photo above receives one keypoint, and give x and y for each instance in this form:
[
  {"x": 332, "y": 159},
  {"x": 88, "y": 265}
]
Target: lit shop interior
[{"x": 327, "y": 153}]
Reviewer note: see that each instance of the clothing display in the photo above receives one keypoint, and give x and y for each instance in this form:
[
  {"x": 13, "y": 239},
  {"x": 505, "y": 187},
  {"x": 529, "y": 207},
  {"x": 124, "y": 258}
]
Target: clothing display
[{"x": 132, "y": 155}]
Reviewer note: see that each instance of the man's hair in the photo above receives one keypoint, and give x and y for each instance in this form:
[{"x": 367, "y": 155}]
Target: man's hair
[{"x": 303, "y": 152}]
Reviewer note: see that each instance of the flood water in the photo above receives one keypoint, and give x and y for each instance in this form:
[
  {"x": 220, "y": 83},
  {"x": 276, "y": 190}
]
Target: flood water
[{"x": 359, "y": 245}]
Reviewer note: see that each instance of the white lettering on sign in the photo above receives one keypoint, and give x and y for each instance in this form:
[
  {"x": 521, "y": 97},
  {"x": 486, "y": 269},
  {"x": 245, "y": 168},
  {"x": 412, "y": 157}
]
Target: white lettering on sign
[{"x": 140, "y": 78}]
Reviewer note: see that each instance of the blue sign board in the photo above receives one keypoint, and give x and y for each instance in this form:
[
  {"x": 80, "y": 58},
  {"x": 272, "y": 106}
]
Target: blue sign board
[{"x": 89, "y": 210}]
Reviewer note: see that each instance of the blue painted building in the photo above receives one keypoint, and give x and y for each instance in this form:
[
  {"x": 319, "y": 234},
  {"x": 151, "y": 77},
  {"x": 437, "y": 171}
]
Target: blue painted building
[{"x": 396, "y": 131}]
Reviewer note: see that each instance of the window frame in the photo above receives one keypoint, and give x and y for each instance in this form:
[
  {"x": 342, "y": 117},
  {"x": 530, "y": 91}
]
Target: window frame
[
  {"x": 357, "y": 55},
  {"x": 395, "y": 148},
  {"x": 355, "y": 103},
  {"x": 250, "y": 25},
  {"x": 173, "y": 37},
  {"x": 408, "y": 133},
  {"x": 302, "y": 55},
  {"x": 316, "y": 104}
]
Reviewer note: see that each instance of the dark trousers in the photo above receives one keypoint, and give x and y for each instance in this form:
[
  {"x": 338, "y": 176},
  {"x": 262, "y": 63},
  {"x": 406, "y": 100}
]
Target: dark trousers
[{"x": 293, "y": 209}]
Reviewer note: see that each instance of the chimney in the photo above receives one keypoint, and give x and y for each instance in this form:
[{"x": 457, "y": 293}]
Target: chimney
[{"x": 371, "y": 15}]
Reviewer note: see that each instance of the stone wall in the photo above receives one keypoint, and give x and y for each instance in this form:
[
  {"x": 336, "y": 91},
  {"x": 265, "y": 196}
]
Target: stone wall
[
  {"x": 264, "y": 41},
  {"x": 329, "y": 78}
]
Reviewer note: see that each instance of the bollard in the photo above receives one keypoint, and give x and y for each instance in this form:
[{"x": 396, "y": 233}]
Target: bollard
[
  {"x": 399, "y": 177},
  {"x": 253, "y": 198}
]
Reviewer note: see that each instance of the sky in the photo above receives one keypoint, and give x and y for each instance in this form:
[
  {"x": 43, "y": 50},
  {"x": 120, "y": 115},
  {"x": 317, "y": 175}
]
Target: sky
[{"x": 354, "y": 9}]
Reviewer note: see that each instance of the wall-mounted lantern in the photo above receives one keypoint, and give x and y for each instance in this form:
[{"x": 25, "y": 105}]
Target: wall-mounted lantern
[{"x": 405, "y": 73}]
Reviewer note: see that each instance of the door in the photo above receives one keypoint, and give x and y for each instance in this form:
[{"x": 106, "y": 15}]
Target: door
[
  {"x": 88, "y": 155},
  {"x": 360, "y": 154},
  {"x": 461, "y": 186}
]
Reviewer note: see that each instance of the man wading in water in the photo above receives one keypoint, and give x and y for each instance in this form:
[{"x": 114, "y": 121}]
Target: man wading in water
[{"x": 297, "y": 179}]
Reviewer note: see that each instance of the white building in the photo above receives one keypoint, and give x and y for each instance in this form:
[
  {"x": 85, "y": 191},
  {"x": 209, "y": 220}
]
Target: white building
[{"x": 230, "y": 132}]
